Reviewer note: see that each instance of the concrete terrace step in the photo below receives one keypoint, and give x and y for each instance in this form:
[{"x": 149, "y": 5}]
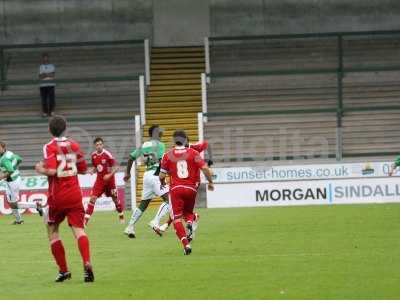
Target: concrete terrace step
[
  {"x": 174, "y": 105},
  {"x": 389, "y": 147},
  {"x": 150, "y": 116},
  {"x": 176, "y": 49},
  {"x": 171, "y": 109},
  {"x": 180, "y": 60},
  {"x": 174, "y": 55},
  {"x": 176, "y": 66},
  {"x": 180, "y": 87},
  {"x": 196, "y": 97},
  {"x": 372, "y": 141},
  {"x": 175, "y": 81},
  {"x": 193, "y": 70},
  {"x": 170, "y": 124},
  {"x": 193, "y": 135},
  {"x": 188, "y": 93},
  {"x": 170, "y": 127},
  {"x": 311, "y": 118},
  {"x": 155, "y": 78}
]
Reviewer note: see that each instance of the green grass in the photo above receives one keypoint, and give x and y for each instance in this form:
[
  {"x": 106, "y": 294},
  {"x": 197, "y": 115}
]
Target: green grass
[{"x": 316, "y": 252}]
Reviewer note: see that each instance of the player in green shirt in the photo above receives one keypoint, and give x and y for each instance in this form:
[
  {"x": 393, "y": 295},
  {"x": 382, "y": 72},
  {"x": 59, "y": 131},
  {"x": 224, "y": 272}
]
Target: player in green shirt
[
  {"x": 9, "y": 163},
  {"x": 395, "y": 165},
  {"x": 153, "y": 151}
]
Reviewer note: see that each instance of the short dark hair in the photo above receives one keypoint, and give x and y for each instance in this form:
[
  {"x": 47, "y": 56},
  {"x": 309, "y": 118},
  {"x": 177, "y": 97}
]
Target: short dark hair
[
  {"x": 57, "y": 125},
  {"x": 98, "y": 139},
  {"x": 152, "y": 128},
  {"x": 180, "y": 137},
  {"x": 45, "y": 54}
]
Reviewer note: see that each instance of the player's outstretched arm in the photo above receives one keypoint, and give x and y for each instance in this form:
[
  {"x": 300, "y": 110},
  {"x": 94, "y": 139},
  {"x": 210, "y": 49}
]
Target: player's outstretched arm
[
  {"x": 132, "y": 157},
  {"x": 111, "y": 174},
  {"x": 128, "y": 169},
  {"x": 208, "y": 174},
  {"x": 162, "y": 177}
]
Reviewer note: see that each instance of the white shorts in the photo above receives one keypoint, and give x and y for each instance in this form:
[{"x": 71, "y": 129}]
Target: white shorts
[
  {"x": 152, "y": 186},
  {"x": 12, "y": 190}
]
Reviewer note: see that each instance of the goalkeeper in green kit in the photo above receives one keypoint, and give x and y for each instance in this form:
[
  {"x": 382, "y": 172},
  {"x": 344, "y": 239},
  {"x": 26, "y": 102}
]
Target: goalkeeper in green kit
[
  {"x": 9, "y": 172},
  {"x": 395, "y": 165},
  {"x": 152, "y": 151}
]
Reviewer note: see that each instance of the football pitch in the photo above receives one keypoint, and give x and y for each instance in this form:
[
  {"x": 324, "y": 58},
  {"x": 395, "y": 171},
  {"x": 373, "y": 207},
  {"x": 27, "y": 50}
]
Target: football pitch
[{"x": 312, "y": 252}]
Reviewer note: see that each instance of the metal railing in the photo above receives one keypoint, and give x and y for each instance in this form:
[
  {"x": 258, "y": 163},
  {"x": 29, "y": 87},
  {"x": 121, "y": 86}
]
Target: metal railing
[
  {"x": 4, "y": 64},
  {"x": 304, "y": 35}
]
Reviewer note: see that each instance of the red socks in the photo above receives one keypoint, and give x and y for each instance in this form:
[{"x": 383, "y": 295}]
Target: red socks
[
  {"x": 118, "y": 207},
  {"x": 84, "y": 249},
  {"x": 58, "y": 251},
  {"x": 189, "y": 218},
  {"x": 180, "y": 232}
]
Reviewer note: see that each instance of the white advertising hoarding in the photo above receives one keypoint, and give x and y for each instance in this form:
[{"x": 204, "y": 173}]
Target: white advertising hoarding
[
  {"x": 35, "y": 188},
  {"x": 311, "y": 192},
  {"x": 301, "y": 172}
]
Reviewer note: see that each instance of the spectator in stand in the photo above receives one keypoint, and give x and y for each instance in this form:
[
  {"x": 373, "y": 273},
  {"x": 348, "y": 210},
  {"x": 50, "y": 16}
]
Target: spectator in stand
[{"x": 47, "y": 73}]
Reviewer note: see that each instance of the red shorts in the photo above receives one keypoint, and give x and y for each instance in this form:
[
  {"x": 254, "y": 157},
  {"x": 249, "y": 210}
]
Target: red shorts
[
  {"x": 75, "y": 215},
  {"x": 182, "y": 201},
  {"x": 104, "y": 187}
]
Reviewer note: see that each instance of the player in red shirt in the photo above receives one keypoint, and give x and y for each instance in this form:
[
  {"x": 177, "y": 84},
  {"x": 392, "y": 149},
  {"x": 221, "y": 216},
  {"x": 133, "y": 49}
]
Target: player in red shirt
[
  {"x": 63, "y": 161},
  {"x": 183, "y": 165},
  {"x": 105, "y": 166},
  {"x": 164, "y": 208}
]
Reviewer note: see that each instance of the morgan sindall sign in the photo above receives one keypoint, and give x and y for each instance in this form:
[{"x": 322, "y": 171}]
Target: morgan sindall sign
[{"x": 311, "y": 192}]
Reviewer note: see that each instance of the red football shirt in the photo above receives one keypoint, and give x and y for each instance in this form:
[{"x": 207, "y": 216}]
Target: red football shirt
[
  {"x": 65, "y": 156},
  {"x": 200, "y": 146},
  {"x": 103, "y": 162},
  {"x": 183, "y": 165}
]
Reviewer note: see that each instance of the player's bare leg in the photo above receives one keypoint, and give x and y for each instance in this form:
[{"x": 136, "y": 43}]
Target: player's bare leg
[
  {"x": 163, "y": 210},
  {"x": 35, "y": 205},
  {"x": 58, "y": 251},
  {"x": 16, "y": 206},
  {"x": 166, "y": 225},
  {"x": 16, "y": 213},
  {"x": 118, "y": 206},
  {"x": 136, "y": 214},
  {"x": 84, "y": 249},
  {"x": 90, "y": 209}
]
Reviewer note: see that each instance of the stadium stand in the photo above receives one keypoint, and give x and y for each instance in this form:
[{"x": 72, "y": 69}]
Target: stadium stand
[
  {"x": 269, "y": 131},
  {"x": 278, "y": 97},
  {"x": 77, "y": 62},
  {"x": 98, "y": 92},
  {"x": 275, "y": 54},
  {"x": 371, "y": 120}
]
